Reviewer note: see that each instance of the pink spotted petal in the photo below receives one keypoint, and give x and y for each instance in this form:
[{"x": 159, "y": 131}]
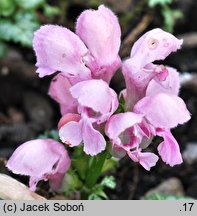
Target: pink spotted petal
[
  {"x": 154, "y": 45},
  {"x": 59, "y": 49},
  {"x": 59, "y": 91},
  {"x": 169, "y": 149},
  {"x": 163, "y": 110},
  {"x": 100, "y": 31},
  {"x": 40, "y": 159},
  {"x": 94, "y": 141},
  {"x": 71, "y": 133},
  {"x": 170, "y": 85},
  {"x": 146, "y": 159}
]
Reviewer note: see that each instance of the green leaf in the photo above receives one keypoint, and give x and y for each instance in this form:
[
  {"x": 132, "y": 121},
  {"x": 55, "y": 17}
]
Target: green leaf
[
  {"x": 7, "y": 7},
  {"x": 29, "y": 4},
  {"x": 170, "y": 16},
  {"x": 71, "y": 181},
  {"x": 3, "y": 49},
  {"x": 20, "y": 30},
  {"x": 121, "y": 105},
  {"x": 27, "y": 23},
  {"x": 94, "y": 197},
  {"x": 158, "y": 196},
  {"x": 110, "y": 164},
  {"x": 153, "y": 3},
  {"x": 53, "y": 134},
  {"x": 7, "y": 30},
  {"x": 109, "y": 182},
  {"x": 50, "y": 11},
  {"x": 95, "y": 168},
  {"x": 97, "y": 194}
]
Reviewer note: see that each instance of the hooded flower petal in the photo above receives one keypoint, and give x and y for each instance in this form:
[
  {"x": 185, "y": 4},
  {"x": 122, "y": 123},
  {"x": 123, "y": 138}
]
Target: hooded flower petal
[
  {"x": 138, "y": 70},
  {"x": 59, "y": 49},
  {"x": 118, "y": 123},
  {"x": 170, "y": 85},
  {"x": 100, "y": 31},
  {"x": 40, "y": 159},
  {"x": 163, "y": 110},
  {"x": 169, "y": 149},
  {"x": 155, "y": 45},
  {"x": 146, "y": 159},
  {"x": 97, "y": 96},
  {"x": 59, "y": 91}
]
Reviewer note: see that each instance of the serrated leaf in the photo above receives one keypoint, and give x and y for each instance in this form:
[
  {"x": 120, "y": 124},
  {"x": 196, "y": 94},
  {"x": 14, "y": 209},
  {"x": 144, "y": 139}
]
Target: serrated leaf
[
  {"x": 109, "y": 182},
  {"x": 97, "y": 194},
  {"x": 8, "y": 30},
  {"x": 153, "y": 3},
  {"x": 158, "y": 196},
  {"x": 94, "y": 197},
  {"x": 27, "y": 23},
  {"x": 29, "y": 4}
]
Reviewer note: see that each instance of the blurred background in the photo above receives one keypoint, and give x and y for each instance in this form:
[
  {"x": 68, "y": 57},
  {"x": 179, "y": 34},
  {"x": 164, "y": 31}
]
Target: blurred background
[{"x": 26, "y": 111}]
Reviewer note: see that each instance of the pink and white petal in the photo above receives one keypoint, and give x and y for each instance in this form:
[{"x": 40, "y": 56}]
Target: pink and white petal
[
  {"x": 163, "y": 110},
  {"x": 71, "y": 133},
  {"x": 120, "y": 122},
  {"x": 94, "y": 142},
  {"x": 67, "y": 118},
  {"x": 154, "y": 45},
  {"x": 169, "y": 149},
  {"x": 94, "y": 94},
  {"x": 101, "y": 26},
  {"x": 59, "y": 49},
  {"x": 146, "y": 159},
  {"x": 170, "y": 85}
]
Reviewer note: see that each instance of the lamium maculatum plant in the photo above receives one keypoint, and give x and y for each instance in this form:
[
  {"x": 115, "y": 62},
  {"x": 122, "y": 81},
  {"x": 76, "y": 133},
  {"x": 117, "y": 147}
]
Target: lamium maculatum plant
[{"x": 97, "y": 125}]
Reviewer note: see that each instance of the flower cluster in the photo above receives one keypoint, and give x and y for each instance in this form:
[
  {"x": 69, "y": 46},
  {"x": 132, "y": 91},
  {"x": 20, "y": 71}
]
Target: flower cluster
[{"x": 86, "y": 62}]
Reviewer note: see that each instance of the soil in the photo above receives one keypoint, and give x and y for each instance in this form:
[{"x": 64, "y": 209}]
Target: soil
[{"x": 26, "y": 110}]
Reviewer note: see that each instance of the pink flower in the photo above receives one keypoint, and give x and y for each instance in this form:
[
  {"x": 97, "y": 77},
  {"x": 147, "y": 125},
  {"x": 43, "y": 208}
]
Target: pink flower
[
  {"x": 97, "y": 102},
  {"x": 59, "y": 91},
  {"x": 165, "y": 111},
  {"x": 127, "y": 133},
  {"x": 92, "y": 52},
  {"x": 41, "y": 159},
  {"x": 138, "y": 70}
]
